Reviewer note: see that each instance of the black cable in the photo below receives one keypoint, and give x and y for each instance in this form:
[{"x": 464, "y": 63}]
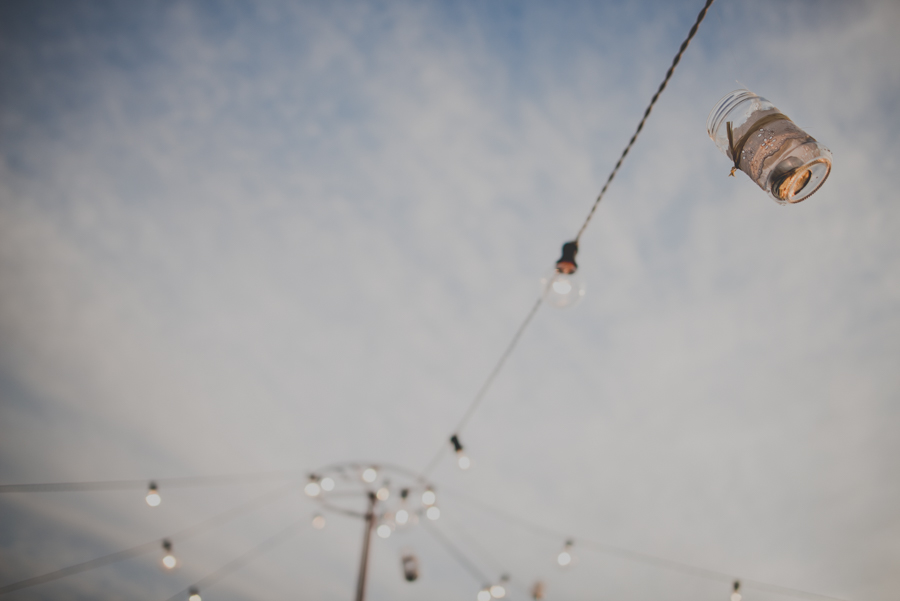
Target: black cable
[
  {"x": 490, "y": 379},
  {"x": 640, "y": 126},
  {"x": 458, "y": 555},
  {"x": 240, "y": 561},
  {"x": 638, "y": 556},
  {"x": 181, "y": 482},
  {"x": 183, "y": 534}
]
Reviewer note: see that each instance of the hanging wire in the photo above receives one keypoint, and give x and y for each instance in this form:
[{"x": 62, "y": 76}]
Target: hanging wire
[
  {"x": 458, "y": 555},
  {"x": 512, "y": 345},
  {"x": 640, "y": 126},
  {"x": 240, "y": 561},
  {"x": 181, "y": 482},
  {"x": 487, "y": 383},
  {"x": 181, "y": 535},
  {"x": 637, "y": 556}
]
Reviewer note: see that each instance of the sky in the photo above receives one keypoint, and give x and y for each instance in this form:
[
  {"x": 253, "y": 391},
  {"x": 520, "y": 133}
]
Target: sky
[{"x": 241, "y": 237}]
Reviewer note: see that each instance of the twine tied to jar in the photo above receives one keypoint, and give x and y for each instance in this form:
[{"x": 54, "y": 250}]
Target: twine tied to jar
[{"x": 736, "y": 149}]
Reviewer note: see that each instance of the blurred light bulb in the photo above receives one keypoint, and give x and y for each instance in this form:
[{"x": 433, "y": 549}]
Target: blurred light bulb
[
  {"x": 736, "y": 595},
  {"x": 498, "y": 591},
  {"x": 193, "y": 595},
  {"x": 168, "y": 559},
  {"x": 153, "y": 499},
  {"x": 484, "y": 595},
  {"x": 312, "y": 488},
  {"x": 318, "y": 522},
  {"x": 562, "y": 290},
  {"x": 564, "y": 286},
  {"x": 383, "y": 531},
  {"x": 461, "y": 458},
  {"x": 401, "y": 517},
  {"x": 565, "y": 557},
  {"x": 383, "y": 493},
  {"x": 433, "y": 513},
  {"x": 369, "y": 475},
  {"x": 428, "y": 497},
  {"x": 327, "y": 484}
]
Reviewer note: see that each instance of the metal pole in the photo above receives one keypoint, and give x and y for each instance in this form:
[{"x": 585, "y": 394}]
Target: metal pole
[{"x": 364, "y": 562}]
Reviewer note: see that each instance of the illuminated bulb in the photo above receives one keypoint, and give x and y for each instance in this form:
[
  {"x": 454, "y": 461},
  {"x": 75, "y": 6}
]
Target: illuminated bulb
[
  {"x": 736, "y": 595},
  {"x": 433, "y": 513},
  {"x": 564, "y": 286},
  {"x": 484, "y": 595},
  {"x": 383, "y": 493},
  {"x": 498, "y": 591},
  {"x": 327, "y": 484},
  {"x": 194, "y": 595},
  {"x": 461, "y": 458},
  {"x": 428, "y": 497},
  {"x": 369, "y": 475},
  {"x": 153, "y": 499},
  {"x": 565, "y": 556},
  {"x": 383, "y": 531},
  {"x": 168, "y": 559},
  {"x": 401, "y": 517},
  {"x": 312, "y": 488},
  {"x": 318, "y": 522}
]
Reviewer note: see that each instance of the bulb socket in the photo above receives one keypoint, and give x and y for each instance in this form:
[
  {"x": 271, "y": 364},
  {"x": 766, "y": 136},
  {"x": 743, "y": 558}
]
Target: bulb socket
[
  {"x": 457, "y": 446},
  {"x": 566, "y": 263}
]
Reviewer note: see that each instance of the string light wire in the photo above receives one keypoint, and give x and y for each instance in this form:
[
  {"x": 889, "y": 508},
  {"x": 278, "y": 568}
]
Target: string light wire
[
  {"x": 458, "y": 555},
  {"x": 239, "y": 562},
  {"x": 637, "y": 556},
  {"x": 479, "y": 397},
  {"x": 180, "y": 482},
  {"x": 181, "y": 535}
]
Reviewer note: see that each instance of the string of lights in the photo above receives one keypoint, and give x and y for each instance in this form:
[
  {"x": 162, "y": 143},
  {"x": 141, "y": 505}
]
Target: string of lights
[
  {"x": 563, "y": 286},
  {"x": 177, "y": 482},
  {"x": 181, "y": 535},
  {"x": 193, "y": 591},
  {"x": 565, "y": 556}
]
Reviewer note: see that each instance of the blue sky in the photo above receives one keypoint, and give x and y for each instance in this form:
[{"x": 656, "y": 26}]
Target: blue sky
[{"x": 245, "y": 237}]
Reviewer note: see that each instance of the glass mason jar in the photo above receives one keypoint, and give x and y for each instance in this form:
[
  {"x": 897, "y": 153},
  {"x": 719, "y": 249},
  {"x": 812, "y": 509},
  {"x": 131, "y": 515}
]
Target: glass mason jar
[{"x": 785, "y": 161}]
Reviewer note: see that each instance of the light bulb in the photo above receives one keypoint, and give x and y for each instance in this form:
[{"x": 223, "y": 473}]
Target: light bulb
[
  {"x": 153, "y": 499},
  {"x": 168, "y": 559},
  {"x": 498, "y": 591},
  {"x": 564, "y": 286},
  {"x": 428, "y": 497},
  {"x": 461, "y": 458},
  {"x": 318, "y": 522},
  {"x": 383, "y": 493},
  {"x": 193, "y": 594},
  {"x": 383, "y": 531},
  {"x": 401, "y": 517},
  {"x": 369, "y": 475},
  {"x": 312, "y": 488},
  {"x": 565, "y": 557},
  {"x": 433, "y": 513},
  {"x": 327, "y": 484},
  {"x": 463, "y": 461},
  {"x": 484, "y": 595},
  {"x": 736, "y": 594}
]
